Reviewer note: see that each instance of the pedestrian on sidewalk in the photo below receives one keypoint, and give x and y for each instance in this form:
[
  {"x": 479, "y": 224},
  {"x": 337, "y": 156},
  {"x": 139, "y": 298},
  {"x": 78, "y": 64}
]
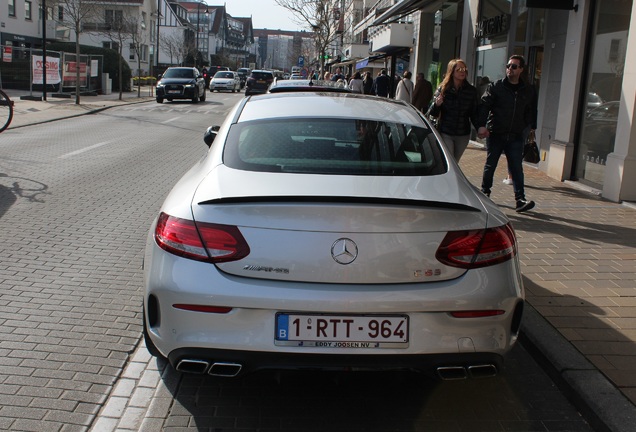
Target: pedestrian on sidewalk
[
  {"x": 455, "y": 105},
  {"x": 356, "y": 84},
  {"x": 405, "y": 88},
  {"x": 508, "y": 107},
  {"x": 381, "y": 84},
  {"x": 423, "y": 92}
]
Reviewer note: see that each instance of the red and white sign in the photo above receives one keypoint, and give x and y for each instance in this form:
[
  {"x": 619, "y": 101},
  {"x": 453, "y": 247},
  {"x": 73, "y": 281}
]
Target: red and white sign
[
  {"x": 7, "y": 54},
  {"x": 52, "y": 70}
]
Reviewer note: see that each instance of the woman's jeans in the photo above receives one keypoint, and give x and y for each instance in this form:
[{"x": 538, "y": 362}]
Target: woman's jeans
[
  {"x": 512, "y": 146},
  {"x": 456, "y": 144}
]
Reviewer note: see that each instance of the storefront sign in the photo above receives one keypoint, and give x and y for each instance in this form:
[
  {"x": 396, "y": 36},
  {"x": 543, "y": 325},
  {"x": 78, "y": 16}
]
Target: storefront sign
[{"x": 489, "y": 27}]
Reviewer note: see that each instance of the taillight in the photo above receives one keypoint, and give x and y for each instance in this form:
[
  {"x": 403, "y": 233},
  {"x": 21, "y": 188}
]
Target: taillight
[
  {"x": 478, "y": 248},
  {"x": 200, "y": 241}
]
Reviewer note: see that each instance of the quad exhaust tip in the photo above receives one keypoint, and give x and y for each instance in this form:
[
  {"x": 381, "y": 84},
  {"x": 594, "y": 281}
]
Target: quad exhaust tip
[
  {"x": 450, "y": 373},
  {"x": 215, "y": 369}
]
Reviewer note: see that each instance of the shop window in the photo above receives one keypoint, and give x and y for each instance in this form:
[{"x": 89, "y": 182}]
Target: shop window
[
  {"x": 605, "y": 65},
  {"x": 494, "y": 22}
]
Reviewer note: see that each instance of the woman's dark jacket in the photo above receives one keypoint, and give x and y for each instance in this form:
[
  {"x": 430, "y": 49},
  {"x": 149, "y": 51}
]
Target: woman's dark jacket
[
  {"x": 505, "y": 109},
  {"x": 459, "y": 109}
]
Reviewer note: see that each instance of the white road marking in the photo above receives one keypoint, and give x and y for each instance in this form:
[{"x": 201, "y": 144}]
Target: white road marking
[{"x": 76, "y": 152}]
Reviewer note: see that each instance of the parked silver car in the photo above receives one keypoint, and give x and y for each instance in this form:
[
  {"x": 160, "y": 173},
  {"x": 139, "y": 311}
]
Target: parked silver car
[
  {"x": 225, "y": 80},
  {"x": 330, "y": 230}
]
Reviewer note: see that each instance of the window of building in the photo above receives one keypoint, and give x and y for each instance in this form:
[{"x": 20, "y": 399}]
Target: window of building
[
  {"x": 11, "y": 8},
  {"x": 28, "y": 14},
  {"x": 113, "y": 16},
  {"x": 494, "y": 22},
  {"x": 111, "y": 45},
  {"x": 60, "y": 13},
  {"x": 605, "y": 67},
  {"x": 131, "y": 56}
]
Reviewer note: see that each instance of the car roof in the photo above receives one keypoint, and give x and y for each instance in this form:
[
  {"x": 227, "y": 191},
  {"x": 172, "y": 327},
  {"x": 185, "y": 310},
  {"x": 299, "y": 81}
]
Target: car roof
[
  {"x": 317, "y": 104},
  {"x": 304, "y": 85}
]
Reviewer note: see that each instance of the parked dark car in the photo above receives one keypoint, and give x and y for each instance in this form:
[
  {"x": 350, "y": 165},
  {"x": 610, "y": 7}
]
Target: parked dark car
[
  {"x": 181, "y": 83},
  {"x": 258, "y": 82}
]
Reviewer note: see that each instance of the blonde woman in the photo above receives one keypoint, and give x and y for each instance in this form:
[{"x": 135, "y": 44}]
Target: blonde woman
[{"x": 455, "y": 104}]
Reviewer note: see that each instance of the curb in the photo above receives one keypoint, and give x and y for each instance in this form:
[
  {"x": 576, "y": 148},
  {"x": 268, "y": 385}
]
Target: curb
[{"x": 604, "y": 407}]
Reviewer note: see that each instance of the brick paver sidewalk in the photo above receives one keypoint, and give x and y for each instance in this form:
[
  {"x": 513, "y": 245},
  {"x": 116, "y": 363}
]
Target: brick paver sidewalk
[{"x": 578, "y": 255}]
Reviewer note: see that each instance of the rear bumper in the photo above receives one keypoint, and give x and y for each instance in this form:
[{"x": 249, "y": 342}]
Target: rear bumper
[{"x": 455, "y": 366}]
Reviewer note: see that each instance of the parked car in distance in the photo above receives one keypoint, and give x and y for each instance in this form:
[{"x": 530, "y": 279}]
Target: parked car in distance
[
  {"x": 181, "y": 83},
  {"x": 296, "y": 77},
  {"x": 330, "y": 230},
  {"x": 225, "y": 80},
  {"x": 258, "y": 82},
  {"x": 243, "y": 74}
]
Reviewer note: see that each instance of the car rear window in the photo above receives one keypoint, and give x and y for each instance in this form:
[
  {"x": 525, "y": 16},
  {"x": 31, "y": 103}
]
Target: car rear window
[
  {"x": 334, "y": 146},
  {"x": 262, "y": 75}
]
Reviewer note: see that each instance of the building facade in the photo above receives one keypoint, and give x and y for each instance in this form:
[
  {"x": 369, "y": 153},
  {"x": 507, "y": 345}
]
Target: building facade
[
  {"x": 581, "y": 58},
  {"x": 165, "y": 32}
]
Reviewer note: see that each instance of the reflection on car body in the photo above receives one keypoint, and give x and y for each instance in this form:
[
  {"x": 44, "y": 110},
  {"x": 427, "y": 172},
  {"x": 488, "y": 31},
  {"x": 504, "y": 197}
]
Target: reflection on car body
[{"x": 330, "y": 230}]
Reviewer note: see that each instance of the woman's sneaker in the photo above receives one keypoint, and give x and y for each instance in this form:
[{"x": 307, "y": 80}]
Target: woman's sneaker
[
  {"x": 507, "y": 181},
  {"x": 523, "y": 205}
]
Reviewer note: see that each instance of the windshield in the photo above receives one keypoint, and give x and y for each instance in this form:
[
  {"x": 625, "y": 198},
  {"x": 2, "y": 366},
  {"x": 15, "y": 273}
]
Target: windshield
[
  {"x": 224, "y": 75},
  {"x": 179, "y": 73},
  {"x": 334, "y": 146}
]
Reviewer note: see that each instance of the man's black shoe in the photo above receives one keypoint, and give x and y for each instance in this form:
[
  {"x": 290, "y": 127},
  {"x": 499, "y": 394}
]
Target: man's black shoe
[{"x": 523, "y": 205}]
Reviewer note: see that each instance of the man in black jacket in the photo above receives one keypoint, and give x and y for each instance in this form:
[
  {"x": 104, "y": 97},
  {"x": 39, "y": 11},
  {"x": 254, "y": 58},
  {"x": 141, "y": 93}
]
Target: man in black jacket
[
  {"x": 508, "y": 109},
  {"x": 381, "y": 84}
]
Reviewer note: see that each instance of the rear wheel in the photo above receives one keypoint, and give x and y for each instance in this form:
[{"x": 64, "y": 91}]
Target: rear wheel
[
  {"x": 6, "y": 111},
  {"x": 203, "y": 96},
  {"x": 159, "y": 100},
  {"x": 195, "y": 98}
]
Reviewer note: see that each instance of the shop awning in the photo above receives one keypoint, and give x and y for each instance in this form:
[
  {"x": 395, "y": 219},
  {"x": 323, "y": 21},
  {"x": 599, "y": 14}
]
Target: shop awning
[
  {"x": 403, "y": 8},
  {"x": 360, "y": 64}
]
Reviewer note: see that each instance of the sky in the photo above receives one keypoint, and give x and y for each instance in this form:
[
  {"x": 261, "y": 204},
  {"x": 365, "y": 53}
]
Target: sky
[{"x": 265, "y": 13}]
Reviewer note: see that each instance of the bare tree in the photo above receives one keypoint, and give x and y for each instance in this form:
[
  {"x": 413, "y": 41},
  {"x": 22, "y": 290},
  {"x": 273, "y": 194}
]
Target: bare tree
[
  {"x": 322, "y": 17},
  {"x": 176, "y": 47},
  {"x": 138, "y": 39},
  {"x": 117, "y": 29},
  {"x": 74, "y": 14}
]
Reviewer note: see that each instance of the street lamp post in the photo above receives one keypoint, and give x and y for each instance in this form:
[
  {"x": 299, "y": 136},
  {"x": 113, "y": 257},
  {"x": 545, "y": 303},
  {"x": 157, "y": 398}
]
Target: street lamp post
[{"x": 198, "y": 19}]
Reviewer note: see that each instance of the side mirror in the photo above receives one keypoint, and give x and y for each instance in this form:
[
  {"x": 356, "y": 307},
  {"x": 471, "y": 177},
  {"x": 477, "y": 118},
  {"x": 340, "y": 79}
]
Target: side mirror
[{"x": 210, "y": 135}]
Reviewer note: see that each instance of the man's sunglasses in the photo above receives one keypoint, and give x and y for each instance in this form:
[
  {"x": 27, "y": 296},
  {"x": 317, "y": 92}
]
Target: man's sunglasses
[{"x": 512, "y": 66}]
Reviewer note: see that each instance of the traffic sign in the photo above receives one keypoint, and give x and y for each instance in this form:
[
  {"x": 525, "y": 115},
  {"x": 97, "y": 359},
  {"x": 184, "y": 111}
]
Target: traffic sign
[{"x": 301, "y": 61}]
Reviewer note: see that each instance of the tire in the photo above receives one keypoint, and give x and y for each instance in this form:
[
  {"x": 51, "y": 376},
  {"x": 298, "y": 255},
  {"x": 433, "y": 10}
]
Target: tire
[
  {"x": 202, "y": 97},
  {"x": 195, "y": 98},
  {"x": 159, "y": 100}
]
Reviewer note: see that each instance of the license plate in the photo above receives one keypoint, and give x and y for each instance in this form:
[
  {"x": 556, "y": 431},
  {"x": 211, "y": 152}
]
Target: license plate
[
  {"x": 173, "y": 91},
  {"x": 261, "y": 81},
  {"x": 342, "y": 331}
]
